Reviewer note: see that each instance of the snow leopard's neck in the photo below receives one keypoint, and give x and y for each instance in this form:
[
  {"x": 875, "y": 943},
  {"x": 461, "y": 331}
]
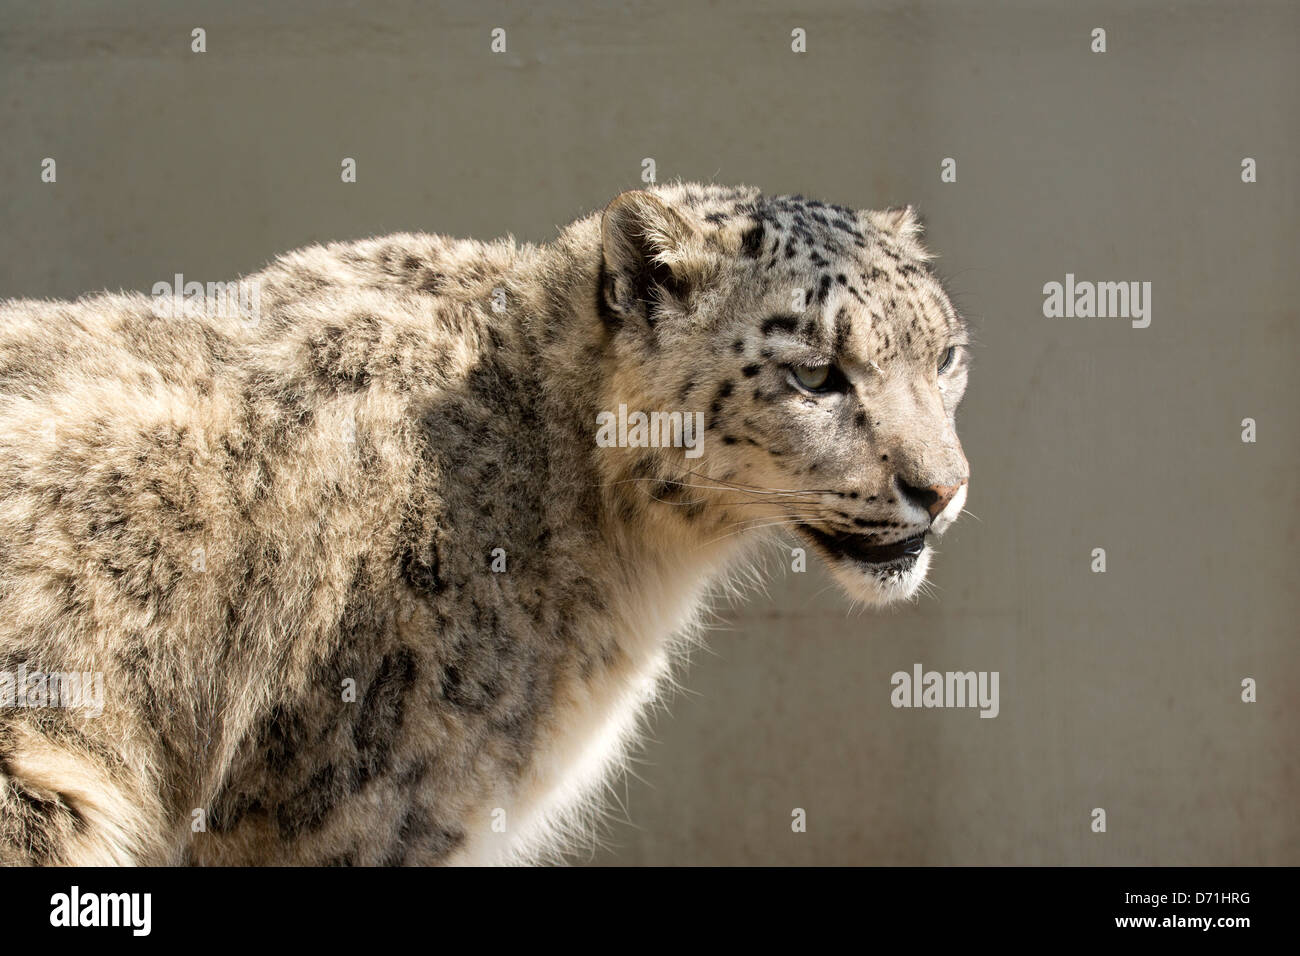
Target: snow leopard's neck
[{"x": 650, "y": 550}]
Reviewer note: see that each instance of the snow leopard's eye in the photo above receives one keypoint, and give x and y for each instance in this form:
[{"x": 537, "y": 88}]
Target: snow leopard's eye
[
  {"x": 946, "y": 359},
  {"x": 818, "y": 378},
  {"x": 812, "y": 377}
]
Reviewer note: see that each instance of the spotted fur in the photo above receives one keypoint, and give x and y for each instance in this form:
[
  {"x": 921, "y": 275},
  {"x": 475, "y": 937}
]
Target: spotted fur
[{"x": 236, "y": 522}]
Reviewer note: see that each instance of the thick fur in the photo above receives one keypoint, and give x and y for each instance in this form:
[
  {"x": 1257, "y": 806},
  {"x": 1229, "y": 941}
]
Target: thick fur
[{"x": 235, "y": 522}]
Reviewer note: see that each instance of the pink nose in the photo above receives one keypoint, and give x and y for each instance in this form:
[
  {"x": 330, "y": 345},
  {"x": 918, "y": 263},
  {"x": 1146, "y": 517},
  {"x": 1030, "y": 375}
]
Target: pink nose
[
  {"x": 943, "y": 495},
  {"x": 933, "y": 498}
]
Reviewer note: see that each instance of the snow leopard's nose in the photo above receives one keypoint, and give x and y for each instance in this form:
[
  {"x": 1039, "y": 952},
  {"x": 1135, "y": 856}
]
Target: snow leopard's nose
[{"x": 933, "y": 498}]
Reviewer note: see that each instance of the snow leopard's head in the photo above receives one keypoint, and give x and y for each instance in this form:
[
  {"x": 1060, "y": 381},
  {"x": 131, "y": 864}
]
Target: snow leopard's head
[{"x": 822, "y": 356}]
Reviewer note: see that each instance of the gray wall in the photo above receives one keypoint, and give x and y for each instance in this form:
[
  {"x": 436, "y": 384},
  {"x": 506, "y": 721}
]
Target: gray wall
[{"x": 1119, "y": 690}]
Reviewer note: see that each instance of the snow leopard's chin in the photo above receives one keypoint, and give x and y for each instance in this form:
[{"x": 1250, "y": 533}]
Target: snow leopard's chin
[{"x": 878, "y": 585}]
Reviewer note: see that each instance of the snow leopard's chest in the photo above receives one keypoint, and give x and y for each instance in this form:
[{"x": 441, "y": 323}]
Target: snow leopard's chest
[{"x": 595, "y": 717}]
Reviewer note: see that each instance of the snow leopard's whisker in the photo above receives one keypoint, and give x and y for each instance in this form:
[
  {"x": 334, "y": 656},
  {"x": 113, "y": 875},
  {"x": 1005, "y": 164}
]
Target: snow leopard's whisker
[
  {"x": 783, "y": 520},
  {"x": 724, "y": 503},
  {"x": 765, "y": 496},
  {"x": 749, "y": 526},
  {"x": 685, "y": 484},
  {"x": 820, "y": 592},
  {"x": 760, "y": 489},
  {"x": 775, "y": 497}
]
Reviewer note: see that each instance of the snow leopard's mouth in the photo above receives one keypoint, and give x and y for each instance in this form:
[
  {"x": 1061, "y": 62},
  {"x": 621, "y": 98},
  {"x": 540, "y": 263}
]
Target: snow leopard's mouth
[{"x": 899, "y": 555}]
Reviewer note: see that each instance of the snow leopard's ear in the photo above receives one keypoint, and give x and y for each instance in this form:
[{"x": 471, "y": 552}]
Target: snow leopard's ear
[
  {"x": 903, "y": 225},
  {"x": 646, "y": 248},
  {"x": 901, "y": 221}
]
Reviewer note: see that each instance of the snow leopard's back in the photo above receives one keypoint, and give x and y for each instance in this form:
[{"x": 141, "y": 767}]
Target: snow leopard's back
[{"x": 265, "y": 533}]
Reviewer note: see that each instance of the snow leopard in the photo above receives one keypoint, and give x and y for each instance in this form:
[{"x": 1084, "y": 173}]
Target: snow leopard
[{"x": 358, "y": 582}]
